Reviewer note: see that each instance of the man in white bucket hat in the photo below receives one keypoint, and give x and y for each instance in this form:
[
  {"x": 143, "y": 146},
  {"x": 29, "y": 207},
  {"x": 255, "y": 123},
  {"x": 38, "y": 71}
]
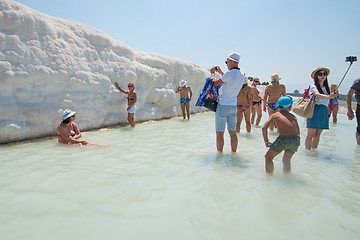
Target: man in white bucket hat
[
  {"x": 231, "y": 83},
  {"x": 185, "y": 99}
]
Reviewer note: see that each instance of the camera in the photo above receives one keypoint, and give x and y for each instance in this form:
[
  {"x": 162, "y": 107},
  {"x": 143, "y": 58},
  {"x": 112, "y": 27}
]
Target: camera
[
  {"x": 216, "y": 68},
  {"x": 351, "y": 59}
]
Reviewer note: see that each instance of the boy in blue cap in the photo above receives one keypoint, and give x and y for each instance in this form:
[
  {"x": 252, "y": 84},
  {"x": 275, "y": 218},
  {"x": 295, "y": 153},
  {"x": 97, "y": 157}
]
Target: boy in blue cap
[{"x": 289, "y": 138}]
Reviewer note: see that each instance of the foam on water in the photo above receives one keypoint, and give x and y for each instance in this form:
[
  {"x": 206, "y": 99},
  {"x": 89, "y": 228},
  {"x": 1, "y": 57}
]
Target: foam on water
[{"x": 164, "y": 180}]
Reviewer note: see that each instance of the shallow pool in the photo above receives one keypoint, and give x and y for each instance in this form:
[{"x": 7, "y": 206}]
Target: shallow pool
[{"x": 165, "y": 180}]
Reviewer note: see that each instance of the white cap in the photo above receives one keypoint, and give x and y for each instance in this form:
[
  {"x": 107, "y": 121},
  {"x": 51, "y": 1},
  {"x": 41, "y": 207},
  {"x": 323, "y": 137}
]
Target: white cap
[{"x": 234, "y": 56}]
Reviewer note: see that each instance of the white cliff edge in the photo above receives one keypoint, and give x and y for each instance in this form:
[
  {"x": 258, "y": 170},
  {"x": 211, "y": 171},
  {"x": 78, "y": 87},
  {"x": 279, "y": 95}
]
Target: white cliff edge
[{"x": 49, "y": 64}]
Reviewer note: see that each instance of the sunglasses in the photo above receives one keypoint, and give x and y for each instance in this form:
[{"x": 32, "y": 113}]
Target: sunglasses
[
  {"x": 322, "y": 74},
  {"x": 256, "y": 81},
  {"x": 226, "y": 62},
  {"x": 130, "y": 86}
]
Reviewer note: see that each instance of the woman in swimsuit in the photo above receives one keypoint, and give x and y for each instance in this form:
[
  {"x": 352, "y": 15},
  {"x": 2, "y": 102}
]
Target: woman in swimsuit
[
  {"x": 333, "y": 106},
  {"x": 68, "y": 132},
  {"x": 256, "y": 100},
  {"x": 131, "y": 109},
  {"x": 244, "y": 104},
  {"x": 272, "y": 94}
]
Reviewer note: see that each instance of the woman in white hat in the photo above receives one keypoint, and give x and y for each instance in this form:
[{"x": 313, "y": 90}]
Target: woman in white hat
[
  {"x": 68, "y": 132},
  {"x": 320, "y": 120},
  {"x": 272, "y": 94}
]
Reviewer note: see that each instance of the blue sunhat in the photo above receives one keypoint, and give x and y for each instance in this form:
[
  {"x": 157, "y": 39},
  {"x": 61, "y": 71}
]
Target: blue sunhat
[{"x": 285, "y": 102}]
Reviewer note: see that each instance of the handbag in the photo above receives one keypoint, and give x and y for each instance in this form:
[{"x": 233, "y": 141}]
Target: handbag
[
  {"x": 305, "y": 107},
  {"x": 210, "y": 102}
]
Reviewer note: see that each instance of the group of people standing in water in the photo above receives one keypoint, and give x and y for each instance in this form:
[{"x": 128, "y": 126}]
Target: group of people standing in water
[
  {"x": 237, "y": 100},
  {"x": 249, "y": 103}
]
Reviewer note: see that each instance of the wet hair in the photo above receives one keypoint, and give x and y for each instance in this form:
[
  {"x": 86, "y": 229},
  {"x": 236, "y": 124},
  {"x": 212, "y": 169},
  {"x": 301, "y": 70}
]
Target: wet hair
[
  {"x": 244, "y": 85},
  {"x": 317, "y": 84}
]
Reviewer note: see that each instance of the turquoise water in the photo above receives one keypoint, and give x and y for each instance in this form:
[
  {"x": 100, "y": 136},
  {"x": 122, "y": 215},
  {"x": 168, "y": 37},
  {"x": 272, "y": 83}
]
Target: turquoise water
[{"x": 164, "y": 180}]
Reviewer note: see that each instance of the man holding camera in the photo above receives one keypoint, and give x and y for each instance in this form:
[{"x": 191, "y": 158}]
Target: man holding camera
[
  {"x": 231, "y": 83},
  {"x": 355, "y": 88}
]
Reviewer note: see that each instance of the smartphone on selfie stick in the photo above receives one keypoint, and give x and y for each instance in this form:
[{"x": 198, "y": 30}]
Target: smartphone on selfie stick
[{"x": 350, "y": 59}]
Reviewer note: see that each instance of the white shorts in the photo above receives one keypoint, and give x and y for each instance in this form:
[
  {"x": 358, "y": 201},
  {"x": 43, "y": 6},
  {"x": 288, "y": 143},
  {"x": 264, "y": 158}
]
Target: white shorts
[{"x": 132, "y": 109}]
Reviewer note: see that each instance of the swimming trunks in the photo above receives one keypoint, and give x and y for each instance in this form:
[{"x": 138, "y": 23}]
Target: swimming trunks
[
  {"x": 242, "y": 108},
  {"x": 289, "y": 143},
  {"x": 273, "y": 106},
  {"x": 184, "y": 100},
  {"x": 275, "y": 94}
]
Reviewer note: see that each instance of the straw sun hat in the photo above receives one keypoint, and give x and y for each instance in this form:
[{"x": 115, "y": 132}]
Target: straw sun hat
[
  {"x": 320, "y": 69},
  {"x": 275, "y": 77},
  {"x": 246, "y": 81}
]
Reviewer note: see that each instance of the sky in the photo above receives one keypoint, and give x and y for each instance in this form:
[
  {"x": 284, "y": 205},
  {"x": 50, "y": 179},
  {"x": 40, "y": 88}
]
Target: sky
[{"x": 288, "y": 37}]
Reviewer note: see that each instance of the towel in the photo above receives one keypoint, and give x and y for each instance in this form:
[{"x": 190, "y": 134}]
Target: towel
[{"x": 208, "y": 91}]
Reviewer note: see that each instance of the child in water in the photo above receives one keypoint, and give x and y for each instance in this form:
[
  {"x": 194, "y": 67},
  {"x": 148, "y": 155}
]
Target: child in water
[
  {"x": 289, "y": 138},
  {"x": 184, "y": 90},
  {"x": 333, "y": 106}
]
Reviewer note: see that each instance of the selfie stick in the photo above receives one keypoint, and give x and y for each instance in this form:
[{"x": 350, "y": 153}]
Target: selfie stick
[{"x": 350, "y": 59}]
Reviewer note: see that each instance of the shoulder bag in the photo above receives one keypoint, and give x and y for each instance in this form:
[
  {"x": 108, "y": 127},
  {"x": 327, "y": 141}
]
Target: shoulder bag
[{"x": 305, "y": 107}]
